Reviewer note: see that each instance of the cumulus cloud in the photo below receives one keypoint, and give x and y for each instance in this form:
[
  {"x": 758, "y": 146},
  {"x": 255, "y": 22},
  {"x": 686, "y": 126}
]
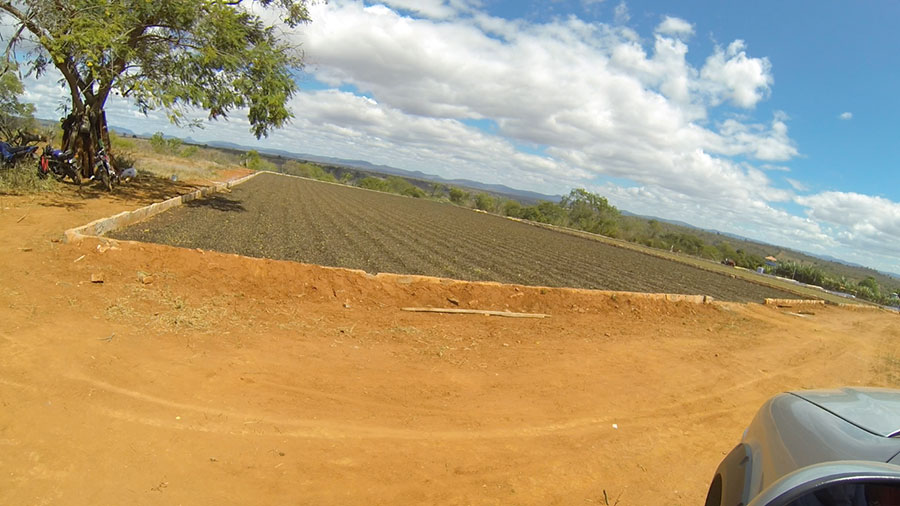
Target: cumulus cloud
[
  {"x": 676, "y": 27},
  {"x": 731, "y": 75},
  {"x": 846, "y": 115},
  {"x": 620, "y": 13},
  {"x": 862, "y": 222}
]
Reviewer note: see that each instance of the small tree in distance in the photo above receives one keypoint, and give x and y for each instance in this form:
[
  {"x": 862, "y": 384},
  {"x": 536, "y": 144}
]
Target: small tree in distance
[{"x": 458, "y": 195}]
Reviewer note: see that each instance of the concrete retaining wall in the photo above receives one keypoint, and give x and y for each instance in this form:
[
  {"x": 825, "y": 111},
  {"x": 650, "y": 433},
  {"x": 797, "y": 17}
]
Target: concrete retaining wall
[{"x": 99, "y": 227}]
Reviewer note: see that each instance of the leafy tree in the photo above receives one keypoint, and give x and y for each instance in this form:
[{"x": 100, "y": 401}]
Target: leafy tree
[
  {"x": 374, "y": 183},
  {"x": 15, "y": 117},
  {"x": 170, "y": 146},
  {"x": 484, "y": 202},
  {"x": 870, "y": 286},
  {"x": 396, "y": 184},
  {"x": 458, "y": 195},
  {"x": 551, "y": 212},
  {"x": 306, "y": 169},
  {"x": 214, "y": 55},
  {"x": 590, "y": 212},
  {"x": 254, "y": 161},
  {"x": 512, "y": 208},
  {"x": 532, "y": 213}
]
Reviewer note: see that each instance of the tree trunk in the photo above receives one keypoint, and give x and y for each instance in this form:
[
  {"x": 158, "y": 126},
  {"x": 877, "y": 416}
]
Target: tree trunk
[{"x": 83, "y": 133}]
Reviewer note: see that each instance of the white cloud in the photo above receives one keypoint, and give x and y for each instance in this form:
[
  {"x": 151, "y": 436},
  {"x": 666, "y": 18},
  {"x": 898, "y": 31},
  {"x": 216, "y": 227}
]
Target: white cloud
[
  {"x": 675, "y": 27},
  {"x": 797, "y": 185},
  {"x": 846, "y": 115},
  {"x": 435, "y": 9},
  {"x": 861, "y": 222},
  {"x": 621, "y": 15},
  {"x": 731, "y": 75}
]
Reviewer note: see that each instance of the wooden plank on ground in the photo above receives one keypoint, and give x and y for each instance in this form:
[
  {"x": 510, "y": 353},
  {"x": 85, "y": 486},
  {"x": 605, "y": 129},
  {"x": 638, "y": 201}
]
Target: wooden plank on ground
[{"x": 507, "y": 314}]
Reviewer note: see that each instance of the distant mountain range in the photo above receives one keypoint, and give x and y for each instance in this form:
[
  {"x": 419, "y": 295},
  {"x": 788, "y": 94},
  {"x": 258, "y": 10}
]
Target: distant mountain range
[{"x": 525, "y": 195}]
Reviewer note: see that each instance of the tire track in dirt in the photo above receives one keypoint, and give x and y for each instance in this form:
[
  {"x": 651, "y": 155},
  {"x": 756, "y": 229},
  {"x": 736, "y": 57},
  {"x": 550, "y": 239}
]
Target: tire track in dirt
[{"x": 199, "y": 418}]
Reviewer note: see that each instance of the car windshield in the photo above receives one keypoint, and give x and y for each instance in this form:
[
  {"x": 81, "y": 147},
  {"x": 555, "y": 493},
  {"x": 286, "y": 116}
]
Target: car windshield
[{"x": 852, "y": 494}]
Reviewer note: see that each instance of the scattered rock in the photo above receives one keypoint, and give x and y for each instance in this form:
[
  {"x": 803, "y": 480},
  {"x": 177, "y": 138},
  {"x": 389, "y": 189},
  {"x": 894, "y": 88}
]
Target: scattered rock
[
  {"x": 96, "y": 278},
  {"x": 453, "y": 301}
]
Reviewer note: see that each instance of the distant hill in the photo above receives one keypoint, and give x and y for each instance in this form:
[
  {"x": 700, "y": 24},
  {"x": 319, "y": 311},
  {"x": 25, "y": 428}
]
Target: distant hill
[
  {"x": 832, "y": 264},
  {"x": 524, "y": 195}
]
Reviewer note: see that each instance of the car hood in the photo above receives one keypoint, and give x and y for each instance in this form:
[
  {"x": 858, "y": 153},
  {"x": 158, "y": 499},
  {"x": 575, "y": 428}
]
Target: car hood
[{"x": 874, "y": 410}]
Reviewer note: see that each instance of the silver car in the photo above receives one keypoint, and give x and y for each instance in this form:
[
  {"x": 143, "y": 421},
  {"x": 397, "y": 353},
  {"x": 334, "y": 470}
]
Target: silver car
[{"x": 816, "y": 448}]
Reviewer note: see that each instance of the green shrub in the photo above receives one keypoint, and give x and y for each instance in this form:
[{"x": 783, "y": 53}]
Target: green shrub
[
  {"x": 484, "y": 202},
  {"x": 458, "y": 195},
  {"x": 374, "y": 183},
  {"x": 512, "y": 208}
]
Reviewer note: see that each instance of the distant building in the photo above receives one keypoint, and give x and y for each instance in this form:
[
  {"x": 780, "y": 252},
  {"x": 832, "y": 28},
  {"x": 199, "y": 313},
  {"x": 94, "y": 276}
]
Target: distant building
[{"x": 771, "y": 261}]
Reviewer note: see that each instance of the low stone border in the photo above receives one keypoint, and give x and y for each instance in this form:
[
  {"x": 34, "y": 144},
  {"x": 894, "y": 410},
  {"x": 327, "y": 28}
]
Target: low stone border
[
  {"x": 794, "y": 302},
  {"x": 407, "y": 279},
  {"x": 103, "y": 225}
]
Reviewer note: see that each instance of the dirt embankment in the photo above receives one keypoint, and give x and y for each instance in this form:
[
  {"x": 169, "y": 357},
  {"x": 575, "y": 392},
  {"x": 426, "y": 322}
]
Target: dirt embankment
[{"x": 194, "y": 377}]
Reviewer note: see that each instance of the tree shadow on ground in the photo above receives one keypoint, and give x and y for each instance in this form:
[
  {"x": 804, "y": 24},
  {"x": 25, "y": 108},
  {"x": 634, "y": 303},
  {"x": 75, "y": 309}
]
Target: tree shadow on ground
[
  {"x": 146, "y": 186},
  {"x": 219, "y": 203},
  {"x": 63, "y": 202}
]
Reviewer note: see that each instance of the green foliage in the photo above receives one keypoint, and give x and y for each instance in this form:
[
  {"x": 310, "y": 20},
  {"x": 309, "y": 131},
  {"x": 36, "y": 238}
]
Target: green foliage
[
  {"x": 458, "y": 195},
  {"x": 158, "y": 142},
  {"x": 552, "y": 213},
  {"x": 174, "y": 54},
  {"x": 393, "y": 184},
  {"x": 306, "y": 169},
  {"x": 374, "y": 183},
  {"x": 171, "y": 146},
  {"x": 512, "y": 208},
  {"x": 15, "y": 116},
  {"x": 590, "y": 212},
  {"x": 118, "y": 142},
  {"x": 438, "y": 190},
  {"x": 396, "y": 184},
  {"x": 254, "y": 161},
  {"x": 485, "y": 202}
]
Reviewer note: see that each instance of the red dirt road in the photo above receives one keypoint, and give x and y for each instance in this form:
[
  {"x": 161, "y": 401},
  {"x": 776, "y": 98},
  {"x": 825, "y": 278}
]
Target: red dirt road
[{"x": 228, "y": 380}]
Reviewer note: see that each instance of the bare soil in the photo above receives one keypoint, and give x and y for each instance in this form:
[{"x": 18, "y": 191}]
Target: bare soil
[
  {"x": 289, "y": 218},
  {"x": 196, "y": 377}
]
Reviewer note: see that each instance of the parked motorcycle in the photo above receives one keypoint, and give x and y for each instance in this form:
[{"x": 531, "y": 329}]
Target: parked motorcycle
[
  {"x": 60, "y": 164},
  {"x": 103, "y": 171},
  {"x": 12, "y": 154}
]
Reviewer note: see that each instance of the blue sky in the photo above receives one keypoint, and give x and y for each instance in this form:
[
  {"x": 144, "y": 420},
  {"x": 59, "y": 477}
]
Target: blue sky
[{"x": 773, "y": 120}]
